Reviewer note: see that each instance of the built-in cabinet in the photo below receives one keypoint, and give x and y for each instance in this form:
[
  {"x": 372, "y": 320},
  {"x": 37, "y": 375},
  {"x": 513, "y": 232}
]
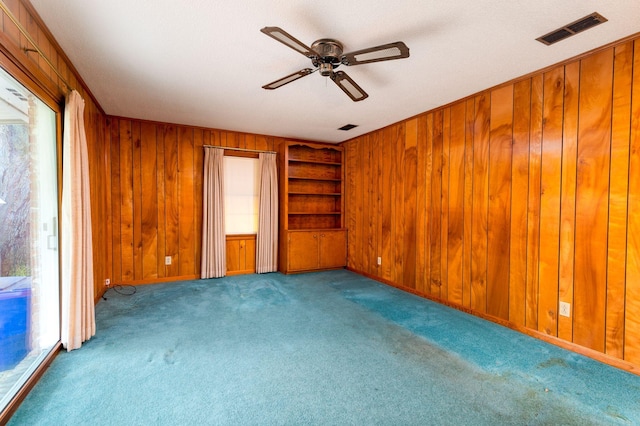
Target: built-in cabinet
[
  {"x": 320, "y": 249},
  {"x": 312, "y": 207}
]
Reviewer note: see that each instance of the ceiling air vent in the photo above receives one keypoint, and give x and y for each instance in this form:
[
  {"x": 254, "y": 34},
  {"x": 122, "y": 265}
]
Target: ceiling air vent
[
  {"x": 348, "y": 127},
  {"x": 573, "y": 28}
]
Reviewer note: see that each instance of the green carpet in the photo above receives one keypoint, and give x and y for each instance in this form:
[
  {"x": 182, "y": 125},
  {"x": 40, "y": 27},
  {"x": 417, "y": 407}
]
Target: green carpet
[{"x": 326, "y": 348}]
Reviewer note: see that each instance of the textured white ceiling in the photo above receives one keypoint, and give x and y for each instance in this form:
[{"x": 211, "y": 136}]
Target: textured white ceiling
[{"x": 203, "y": 62}]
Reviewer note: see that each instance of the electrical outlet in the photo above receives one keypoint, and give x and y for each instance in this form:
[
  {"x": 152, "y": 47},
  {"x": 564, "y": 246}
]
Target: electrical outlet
[
  {"x": 379, "y": 261},
  {"x": 107, "y": 282},
  {"x": 565, "y": 309},
  {"x": 167, "y": 260}
]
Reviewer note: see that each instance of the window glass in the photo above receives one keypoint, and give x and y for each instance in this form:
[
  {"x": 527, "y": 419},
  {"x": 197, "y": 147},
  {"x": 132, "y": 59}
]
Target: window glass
[
  {"x": 241, "y": 191},
  {"x": 29, "y": 277}
]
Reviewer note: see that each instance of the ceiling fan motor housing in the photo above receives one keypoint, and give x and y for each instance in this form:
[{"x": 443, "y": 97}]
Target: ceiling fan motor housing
[{"x": 330, "y": 52}]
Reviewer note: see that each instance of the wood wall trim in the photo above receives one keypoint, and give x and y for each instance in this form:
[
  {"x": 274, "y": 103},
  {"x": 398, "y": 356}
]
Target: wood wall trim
[{"x": 157, "y": 280}]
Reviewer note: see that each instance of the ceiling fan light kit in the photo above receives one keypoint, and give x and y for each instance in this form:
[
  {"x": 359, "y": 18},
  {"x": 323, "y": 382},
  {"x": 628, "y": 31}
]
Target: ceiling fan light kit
[{"x": 326, "y": 55}]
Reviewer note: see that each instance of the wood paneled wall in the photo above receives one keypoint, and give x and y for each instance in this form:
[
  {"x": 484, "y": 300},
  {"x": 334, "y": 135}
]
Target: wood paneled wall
[
  {"x": 513, "y": 200},
  {"x": 51, "y": 88},
  {"x": 156, "y": 196}
]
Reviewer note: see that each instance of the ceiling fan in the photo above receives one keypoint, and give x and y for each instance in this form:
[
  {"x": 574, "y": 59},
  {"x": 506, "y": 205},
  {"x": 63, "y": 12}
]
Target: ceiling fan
[{"x": 326, "y": 55}]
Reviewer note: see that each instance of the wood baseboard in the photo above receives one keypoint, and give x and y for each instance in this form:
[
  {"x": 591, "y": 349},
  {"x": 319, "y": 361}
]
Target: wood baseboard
[
  {"x": 158, "y": 280},
  {"x": 598, "y": 356}
]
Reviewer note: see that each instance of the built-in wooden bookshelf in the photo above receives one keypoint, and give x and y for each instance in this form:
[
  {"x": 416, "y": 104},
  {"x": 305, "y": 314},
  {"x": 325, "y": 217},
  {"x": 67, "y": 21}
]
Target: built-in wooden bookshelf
[{"x": 312, "y": 213}]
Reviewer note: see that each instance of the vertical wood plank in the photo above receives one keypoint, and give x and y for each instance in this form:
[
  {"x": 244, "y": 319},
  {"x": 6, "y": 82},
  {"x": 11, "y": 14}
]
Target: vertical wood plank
[
  {"x": 533, "y": 203},
  {"x": 250, "y": 255},
  {"x": 618, "y": 198},
  {"x": 410, "y": 188},
  {"x": 399, "y": 220},
  {"x": 160, "y": 183},
  {"x": 456, "y": 202},
  {"x": 216, "y": 138},
  {"x": 421, "y": 204},
  {"x": 261, "y": 143},
  {"x": 250, "y": 142},
  {"x": 149, "y": 214},
  {"x": 444, "y": 210},
  {"x": 592, "y": 193},
  {"x": 468, "y": 203},
  {"x": 106, "y": 159},
  {"x": 365, "y": 241},
  {"x": 550, "y": 200},
  {"x": 429, "y": 173},
  {"x": 200, "y": 138},
  {"x": 387, "y": 202},
  {"x": 116, "y": 200},
  {"x": 519, "y": 196},
  {"x": 632, "y": 314},
  {"x": 25, "y": 18},
  {"x": 9, "y": 27},
  {"x": 232, "y": 140},
  {"x": 172, "y": 200},
  {"x": 568, "y": 195},
  {"x": 435, "y": 213},
  {"x": 137, "y": 200},
  {"x": 480, "y": 203},
  {"x": 186, "y": 206},
  {"x": 361, "y": 212},
  {"x": 126, "y": 208},
  {"x": 499, "y": 220},
  {"x": 233, "y": 255},
  {"x": 376, "y": 184},
  {"x": 350, "y": 199}
]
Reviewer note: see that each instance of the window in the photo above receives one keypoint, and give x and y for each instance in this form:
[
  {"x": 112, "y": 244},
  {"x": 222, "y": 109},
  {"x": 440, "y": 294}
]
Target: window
[{"x": 241, "y": 192}]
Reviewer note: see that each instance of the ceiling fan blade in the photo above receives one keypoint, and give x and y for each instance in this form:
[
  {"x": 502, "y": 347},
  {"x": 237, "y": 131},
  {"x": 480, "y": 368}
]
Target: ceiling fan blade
[
  {"x": 288, "y": 79},
  {"x": 385, "y": 52},
  {"x": 349, "y": 86},
  {"x": 287, "y": 39}
]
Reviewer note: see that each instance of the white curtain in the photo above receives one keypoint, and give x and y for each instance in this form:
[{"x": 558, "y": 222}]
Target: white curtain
[
  {"x": 214, "y": 258},
  {"x": 267, "y": 238},
  {"x": 78, "y": 316}
]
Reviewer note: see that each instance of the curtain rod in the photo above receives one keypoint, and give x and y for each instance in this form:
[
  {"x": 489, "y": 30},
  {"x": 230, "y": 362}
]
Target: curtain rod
[
  {"x": 239, "y": 149},
  {"x": 30, "y": 40}
]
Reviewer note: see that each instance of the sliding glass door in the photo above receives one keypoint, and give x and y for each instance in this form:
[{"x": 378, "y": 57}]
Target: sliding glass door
[{"x": 29, "y": 278}]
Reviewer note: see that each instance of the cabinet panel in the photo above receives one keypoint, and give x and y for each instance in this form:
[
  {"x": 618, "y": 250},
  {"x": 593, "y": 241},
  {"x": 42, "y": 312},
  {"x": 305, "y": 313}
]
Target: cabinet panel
[
  {"x": 303, "y": 251},
  {"x": 333, "y": 249},
  {"x": 241, "y": 254}
]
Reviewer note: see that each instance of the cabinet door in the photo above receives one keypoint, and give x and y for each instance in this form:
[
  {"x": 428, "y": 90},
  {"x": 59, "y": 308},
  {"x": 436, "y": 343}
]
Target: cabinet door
[
  {"x": 303, "y": 251},
  {"x": 333, "y": 249},
  {"x": 241, "y": 254}
]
